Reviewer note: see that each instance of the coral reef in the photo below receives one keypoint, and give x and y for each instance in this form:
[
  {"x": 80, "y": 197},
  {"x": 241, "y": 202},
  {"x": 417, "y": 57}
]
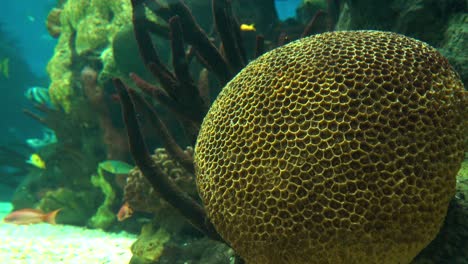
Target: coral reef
[
  {"x": 87, "y": 28},
  {"x": 70, "y": 161},
  {"x": 83, "y": 119},
  {"x": 176, "y": 91},
  {"x": 332, "y": 147},
  {"x": 142, "y": 197}
]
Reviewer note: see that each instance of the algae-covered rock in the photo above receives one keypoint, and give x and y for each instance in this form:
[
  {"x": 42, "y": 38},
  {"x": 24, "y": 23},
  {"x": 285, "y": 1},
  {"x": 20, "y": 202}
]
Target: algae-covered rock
[
  {"x": 60, "y": 89},
  {"x": 150, "y": 244},
  {"x": 77, "y": 206},
  {"x": 196, "y": 250},
  {"x": 91, "y": 34},
  {"x": 87, "y": 29}
]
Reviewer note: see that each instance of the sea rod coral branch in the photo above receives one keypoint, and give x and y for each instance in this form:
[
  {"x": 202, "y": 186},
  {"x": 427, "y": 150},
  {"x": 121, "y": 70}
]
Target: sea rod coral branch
[
  {"x": 171, "y": 146},
  {"x": 186, "y": 91},
  {"x": 187, "y": 206},
  {"x": 195, "y": 36},
  {"x": 229, "y": 32}
]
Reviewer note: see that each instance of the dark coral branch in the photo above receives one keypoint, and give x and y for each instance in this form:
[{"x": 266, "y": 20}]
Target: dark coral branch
[
  {"x": 35, "y": 117},
  {"x": 46, "y": 121},
  {"x": 148, "y": 88},
  {"x": 186, "y": 90},
  {"x": 333, "y": 10},
  {"x": 308, "y": 30},
  {"x": 181, "y": 94},
  {"x": 259, "y": 45},
  {"x": 195, "y": 36},
  {"x": 203, "y": 62},
  {"x": 161, "y": 97},
  {"x": 179, "y": 62},
  {"x": 155, "y": 28},
  {"x": 237, "y": 33},
  {"x": 149, "y": 54},
  {"x": 174, "y": 150},
  {"x": 229, "y": 32},
  {"x": 190, "y": 54},
  {"x": 186, "y": 205}
]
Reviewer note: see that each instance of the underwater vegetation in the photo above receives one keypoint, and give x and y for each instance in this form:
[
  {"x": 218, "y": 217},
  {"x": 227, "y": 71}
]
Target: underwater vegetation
[{"x": 338, "y": 147}]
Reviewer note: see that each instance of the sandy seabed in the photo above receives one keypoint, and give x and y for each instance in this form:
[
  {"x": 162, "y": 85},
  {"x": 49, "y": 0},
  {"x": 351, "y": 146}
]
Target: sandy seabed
[{"x": 53, "y": 244}]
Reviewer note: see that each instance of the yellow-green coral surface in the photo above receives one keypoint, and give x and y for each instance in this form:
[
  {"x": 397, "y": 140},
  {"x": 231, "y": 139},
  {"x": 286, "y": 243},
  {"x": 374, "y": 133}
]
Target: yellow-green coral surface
[
  {"x": 337, "y": 148},
  {"x": 88, "y": 27}
]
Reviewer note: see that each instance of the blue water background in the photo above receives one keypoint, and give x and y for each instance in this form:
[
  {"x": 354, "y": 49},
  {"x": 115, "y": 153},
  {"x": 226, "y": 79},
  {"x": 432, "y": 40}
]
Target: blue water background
[
  {"x": 286, "y": 8},
  {"x": 25, "y": 21},
  {"x": 28, "y": 47}
]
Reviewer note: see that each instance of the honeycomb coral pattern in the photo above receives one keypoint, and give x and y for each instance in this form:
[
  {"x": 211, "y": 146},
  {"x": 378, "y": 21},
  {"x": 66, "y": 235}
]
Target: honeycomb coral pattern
[{"x": 338, "y": 148}]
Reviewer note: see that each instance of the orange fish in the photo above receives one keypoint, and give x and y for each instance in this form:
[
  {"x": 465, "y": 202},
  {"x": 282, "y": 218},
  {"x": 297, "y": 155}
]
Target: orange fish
[
  {"x": 124, "y": 212},
  {"x": 31, "y": 216}
]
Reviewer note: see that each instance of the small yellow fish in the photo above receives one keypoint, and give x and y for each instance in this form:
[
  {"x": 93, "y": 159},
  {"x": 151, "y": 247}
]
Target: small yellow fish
[
  {"x": 36, "y": 161},
  {"x": 245, "y": 27},
  {"x": 5, "y": 67}
]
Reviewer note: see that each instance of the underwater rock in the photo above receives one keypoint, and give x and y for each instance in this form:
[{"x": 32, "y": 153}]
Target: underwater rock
[
  {"x": 91, "y": 34},
  {"x": 149, "y": 246},
  {"x": 87, "y": 29},
  {"x": 157, "y": 244},
  {"x": 77, "y": 206},
  {"x": 24, "y": 196},
  {"x": 196, "y": 250}
]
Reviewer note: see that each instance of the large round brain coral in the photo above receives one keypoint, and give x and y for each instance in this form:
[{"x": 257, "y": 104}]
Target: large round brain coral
[{"x": 338, "y": 148}]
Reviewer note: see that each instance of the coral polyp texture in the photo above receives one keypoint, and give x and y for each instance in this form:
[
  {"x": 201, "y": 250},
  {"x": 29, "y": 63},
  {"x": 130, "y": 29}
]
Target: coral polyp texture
[
  {"x": 142, "y": 197},
  {"x": 337, "y": 148}
]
